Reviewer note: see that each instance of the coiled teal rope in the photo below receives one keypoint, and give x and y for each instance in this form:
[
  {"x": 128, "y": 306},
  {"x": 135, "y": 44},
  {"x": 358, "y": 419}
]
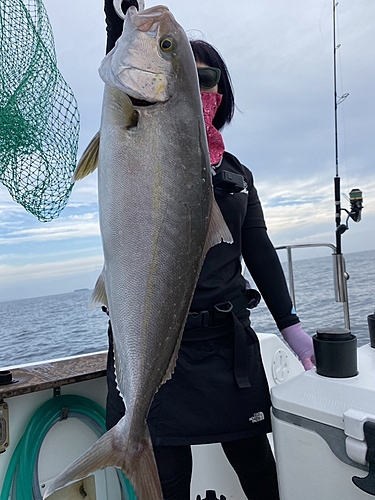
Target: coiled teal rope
[{"x": 19, "y": 478}]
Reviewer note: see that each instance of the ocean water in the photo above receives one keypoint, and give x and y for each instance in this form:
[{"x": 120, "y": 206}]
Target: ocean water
[
  {"x": 56, "y": 326},
  {"x": 315, "y": 296}
]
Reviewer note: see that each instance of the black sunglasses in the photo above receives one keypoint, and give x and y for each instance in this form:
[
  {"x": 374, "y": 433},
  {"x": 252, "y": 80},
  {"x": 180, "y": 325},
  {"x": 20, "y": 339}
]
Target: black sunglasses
[{"x": 208, "y": 77}]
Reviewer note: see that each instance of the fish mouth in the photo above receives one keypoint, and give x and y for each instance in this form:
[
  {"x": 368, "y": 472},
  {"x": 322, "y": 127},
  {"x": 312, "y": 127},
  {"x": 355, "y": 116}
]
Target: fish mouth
[{"x": 140, "y": 102}]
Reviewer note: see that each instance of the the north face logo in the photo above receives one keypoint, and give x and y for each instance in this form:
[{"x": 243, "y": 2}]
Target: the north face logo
[{"x": 257, "y": 417}]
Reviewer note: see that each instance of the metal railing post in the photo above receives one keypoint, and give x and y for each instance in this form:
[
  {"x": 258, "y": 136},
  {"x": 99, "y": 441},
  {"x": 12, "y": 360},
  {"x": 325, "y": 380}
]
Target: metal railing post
[
  {"x": 291, "y": 276},
  {"x": 340, "y": 276}
]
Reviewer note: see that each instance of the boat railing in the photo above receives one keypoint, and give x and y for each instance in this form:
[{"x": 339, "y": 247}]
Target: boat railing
[{"x": 340, "y": 276}]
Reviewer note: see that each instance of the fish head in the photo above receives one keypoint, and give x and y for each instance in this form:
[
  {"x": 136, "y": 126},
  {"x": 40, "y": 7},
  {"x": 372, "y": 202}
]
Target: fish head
[{"x": 150, "y": 59}]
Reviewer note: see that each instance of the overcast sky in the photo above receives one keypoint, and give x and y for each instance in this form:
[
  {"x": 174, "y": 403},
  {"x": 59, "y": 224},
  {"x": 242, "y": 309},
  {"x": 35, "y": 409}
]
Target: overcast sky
[{"x": 279, "y": 54}]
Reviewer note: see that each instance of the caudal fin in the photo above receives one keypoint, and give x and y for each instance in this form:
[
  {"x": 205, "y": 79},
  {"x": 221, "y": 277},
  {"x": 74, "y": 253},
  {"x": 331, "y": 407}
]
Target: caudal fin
[
  {"x": 144, "y": 476},
  {"x": 114, "y": 450}
]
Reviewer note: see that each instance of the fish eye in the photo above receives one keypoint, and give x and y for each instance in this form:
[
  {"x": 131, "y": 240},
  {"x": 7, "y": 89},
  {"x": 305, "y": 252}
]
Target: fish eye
[{"x": 166, "y": 44}]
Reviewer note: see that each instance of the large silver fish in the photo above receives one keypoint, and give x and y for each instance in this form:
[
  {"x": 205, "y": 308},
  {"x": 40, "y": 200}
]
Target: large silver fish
[{"x": 158, "y": 219}]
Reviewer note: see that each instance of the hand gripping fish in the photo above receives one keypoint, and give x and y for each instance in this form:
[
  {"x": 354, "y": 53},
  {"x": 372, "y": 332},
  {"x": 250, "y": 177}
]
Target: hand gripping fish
[{"x": 158, "y": 219}]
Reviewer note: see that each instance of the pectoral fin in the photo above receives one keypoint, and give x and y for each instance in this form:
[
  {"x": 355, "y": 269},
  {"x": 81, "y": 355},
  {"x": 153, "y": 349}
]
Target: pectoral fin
[
  {"x": 89, "y": 160},
  {"x": 123, "y": 112}
]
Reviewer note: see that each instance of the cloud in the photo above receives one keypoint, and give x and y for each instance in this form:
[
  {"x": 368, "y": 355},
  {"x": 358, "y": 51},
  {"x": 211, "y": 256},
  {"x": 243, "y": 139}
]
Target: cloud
[
  {"x": 47, "y": 235},
  {"x": 76, "y": 226},
  {"x": 280, "y": 58},
  {"x": 36, "y": 272}
]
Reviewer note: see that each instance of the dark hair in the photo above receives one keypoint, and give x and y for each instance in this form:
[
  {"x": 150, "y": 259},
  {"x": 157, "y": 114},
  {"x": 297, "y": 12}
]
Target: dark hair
[{"x": 207, "y": 54}]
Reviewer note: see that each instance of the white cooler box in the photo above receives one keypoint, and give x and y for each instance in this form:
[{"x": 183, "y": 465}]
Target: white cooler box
[{"x": 321, "y": 436}]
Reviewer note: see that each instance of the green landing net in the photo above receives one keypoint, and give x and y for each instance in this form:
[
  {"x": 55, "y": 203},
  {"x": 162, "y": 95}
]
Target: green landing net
[{"x": 39, "y": 119}]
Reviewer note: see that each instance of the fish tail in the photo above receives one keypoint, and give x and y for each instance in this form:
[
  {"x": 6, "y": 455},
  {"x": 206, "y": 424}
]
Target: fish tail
[
  {"x": 144, "y": 475},
  {"x": 113, "y": 450}
]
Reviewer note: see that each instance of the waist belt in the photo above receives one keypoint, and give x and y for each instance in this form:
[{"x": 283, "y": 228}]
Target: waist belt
[{"x": 215, "y": 322}]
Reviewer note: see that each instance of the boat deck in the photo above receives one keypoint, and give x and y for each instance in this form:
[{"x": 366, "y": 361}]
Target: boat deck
[{"x": 50, "y": 375}]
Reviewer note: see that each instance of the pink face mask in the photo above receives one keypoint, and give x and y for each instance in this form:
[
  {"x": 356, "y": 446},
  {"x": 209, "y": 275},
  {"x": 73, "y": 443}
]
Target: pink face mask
[{"x": 211, "y": 101}]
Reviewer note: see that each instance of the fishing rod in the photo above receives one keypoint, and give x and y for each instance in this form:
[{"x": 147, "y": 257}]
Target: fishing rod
[{"x": 355, "y": 195}]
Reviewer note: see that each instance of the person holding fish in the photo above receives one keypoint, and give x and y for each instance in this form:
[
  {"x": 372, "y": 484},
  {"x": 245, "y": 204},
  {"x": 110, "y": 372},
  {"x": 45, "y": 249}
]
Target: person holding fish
[
  {"x": 218, "y": 391},
  {"x": 177, "y": 214}
]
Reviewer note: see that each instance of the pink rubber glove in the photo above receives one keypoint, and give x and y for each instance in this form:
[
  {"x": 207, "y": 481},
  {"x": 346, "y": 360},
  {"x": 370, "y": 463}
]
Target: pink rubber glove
[{"x": 301, "y": 343}]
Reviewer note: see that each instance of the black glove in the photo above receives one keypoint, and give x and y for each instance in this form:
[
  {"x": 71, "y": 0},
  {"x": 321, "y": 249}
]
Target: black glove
[{"x": 114, "y": 22}]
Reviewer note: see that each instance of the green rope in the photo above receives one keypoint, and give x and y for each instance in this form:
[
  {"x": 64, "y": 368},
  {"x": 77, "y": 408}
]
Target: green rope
[
  {"x": 19, "y": 477},
  {"x": 39, "y": 119}
]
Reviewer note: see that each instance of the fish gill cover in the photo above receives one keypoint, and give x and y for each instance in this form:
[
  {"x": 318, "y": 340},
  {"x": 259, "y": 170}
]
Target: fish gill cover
[{"x": 39, "y": 119}]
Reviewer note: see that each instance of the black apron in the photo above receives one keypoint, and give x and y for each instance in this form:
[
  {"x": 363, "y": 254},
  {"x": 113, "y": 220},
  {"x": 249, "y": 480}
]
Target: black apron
[{"x": 218, "y": 391}]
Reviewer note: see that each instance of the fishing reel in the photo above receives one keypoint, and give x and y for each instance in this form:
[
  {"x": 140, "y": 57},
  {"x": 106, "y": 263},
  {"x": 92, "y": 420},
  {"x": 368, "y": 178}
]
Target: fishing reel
[{"x": 355, "y": 213}]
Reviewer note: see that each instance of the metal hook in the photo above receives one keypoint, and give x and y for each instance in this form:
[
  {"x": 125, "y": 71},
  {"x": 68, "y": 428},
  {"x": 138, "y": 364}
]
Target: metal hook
[
  {"x": 118, "y": 9},
  {"x": 117, "y": 6}
]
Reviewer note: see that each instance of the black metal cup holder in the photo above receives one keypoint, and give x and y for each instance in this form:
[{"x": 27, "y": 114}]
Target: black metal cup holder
[
  {"x": 335, "y": 352},
  {"x": 371, "y": 328}
]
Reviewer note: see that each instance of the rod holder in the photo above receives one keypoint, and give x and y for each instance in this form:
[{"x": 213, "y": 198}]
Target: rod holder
[
  {"x": 335, "y": 352},
  {"x": 340, "y": 277},
  {"x": 371, "y": 328}
]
